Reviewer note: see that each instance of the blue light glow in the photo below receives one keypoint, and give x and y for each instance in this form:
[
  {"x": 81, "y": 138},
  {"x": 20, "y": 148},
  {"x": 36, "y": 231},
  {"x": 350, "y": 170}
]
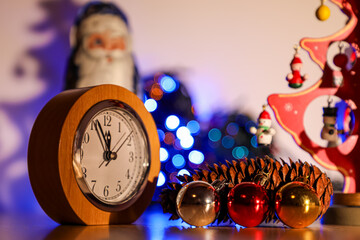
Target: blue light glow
[
  {"x": 194, "y": 127},
  {"x": 238, "y": 152},
  {"x": 164, "y": 155},
  {"x": 232, "y": 128},
  {"x": 227, "y": 142},
  {"x": 196, "y": 157},
  {"x": 172, "y": 122},
  {"x": 168, "y": 84},
  {"x": 187, "y": 142},
  {"x": 182, "y": 133},
  {"x": 178, "y": 161},
  {"x": 150, "y": 105},
  {"x": 182, "y": 172},
  {"x": 161, "y": 179},
  {"x": 246, "y": 151},
  {"x": 161, "y": 135},
  {"x": 214, "y": 134},
  {"x": 254, "y": 141}
]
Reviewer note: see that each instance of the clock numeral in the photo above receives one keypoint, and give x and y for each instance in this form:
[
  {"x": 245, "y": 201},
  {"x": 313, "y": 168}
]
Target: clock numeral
[
  {"x": 131, "y": 159},
  {"x": 93, "y": 186},
  {"x": 106, "y": 191},
  {"x": 118, "y": 187},
  {"x": 119, "y": 127},
  {"x": 86, "y": 138},
  {"x": 129, "y": 142},
  {"x": 127, "y": 175},
  {"x": 107, "y": 120},
  {"x": 92, "y": 125},
  {"x": 83, "y": 169}
]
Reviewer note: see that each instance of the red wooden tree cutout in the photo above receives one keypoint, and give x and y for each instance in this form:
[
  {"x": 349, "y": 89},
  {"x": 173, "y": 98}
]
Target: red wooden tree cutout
[{"x": 289, "y": 109}]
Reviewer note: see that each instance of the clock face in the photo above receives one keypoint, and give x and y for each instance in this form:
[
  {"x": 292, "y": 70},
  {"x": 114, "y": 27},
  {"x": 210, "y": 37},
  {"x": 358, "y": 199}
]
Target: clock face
[{"x": 111, "y": 155}]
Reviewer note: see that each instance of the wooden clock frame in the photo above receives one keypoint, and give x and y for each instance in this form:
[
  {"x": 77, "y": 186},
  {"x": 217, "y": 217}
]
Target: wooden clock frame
[{"x": 50, "y": 157}]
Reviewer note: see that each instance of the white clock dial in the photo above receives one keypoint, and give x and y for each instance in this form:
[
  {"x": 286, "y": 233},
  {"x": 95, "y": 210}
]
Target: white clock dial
[{"x": 111, "y": 156}]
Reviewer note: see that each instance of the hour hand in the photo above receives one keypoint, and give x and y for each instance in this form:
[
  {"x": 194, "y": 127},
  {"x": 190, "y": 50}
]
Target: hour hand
[{"x": 101, "y": 135}]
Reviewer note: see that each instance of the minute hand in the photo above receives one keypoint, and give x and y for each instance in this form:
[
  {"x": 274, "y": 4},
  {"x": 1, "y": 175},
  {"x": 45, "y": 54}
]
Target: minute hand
[{"x": 122, "y": 143}]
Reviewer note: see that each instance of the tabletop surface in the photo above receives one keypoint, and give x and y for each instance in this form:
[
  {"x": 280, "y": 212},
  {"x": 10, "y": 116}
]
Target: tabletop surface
[{"x": 153, "y": 224}]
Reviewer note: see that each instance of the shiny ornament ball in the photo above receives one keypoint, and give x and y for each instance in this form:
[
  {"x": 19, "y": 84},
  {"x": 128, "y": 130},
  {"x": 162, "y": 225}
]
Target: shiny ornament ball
[
  {"x": 297, "y": 204},
  {"x": 198, "y": 203},
  {"x": 323, "y": 13},
  {"x": 340, "y": 60},
  {"x": 248, "y": 204}
]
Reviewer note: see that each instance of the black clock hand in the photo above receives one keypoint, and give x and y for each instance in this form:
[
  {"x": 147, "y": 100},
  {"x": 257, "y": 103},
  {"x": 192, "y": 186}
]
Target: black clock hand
[
  {"x": 121, "y": 143},
  {"x": 114, "y": 153},
  {"x": 97, "y": 131},
  {"x": 102, "y": 133}
]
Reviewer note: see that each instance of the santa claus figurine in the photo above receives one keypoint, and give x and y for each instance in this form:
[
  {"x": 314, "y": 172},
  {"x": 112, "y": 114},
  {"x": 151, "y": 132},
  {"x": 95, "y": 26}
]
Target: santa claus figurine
[
  {"x": 102, "y": 49},
  {"x": 263, "y": 132},
  {"x": 295, "y": 79}
]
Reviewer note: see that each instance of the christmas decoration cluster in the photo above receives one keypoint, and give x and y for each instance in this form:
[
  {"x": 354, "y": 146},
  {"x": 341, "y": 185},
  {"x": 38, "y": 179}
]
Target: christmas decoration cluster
[{"x": 248, "y": 192}]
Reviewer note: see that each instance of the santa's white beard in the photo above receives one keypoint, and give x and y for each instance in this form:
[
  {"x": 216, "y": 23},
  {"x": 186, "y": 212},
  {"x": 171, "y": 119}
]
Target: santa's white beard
[{"x": 96, "y": 71}]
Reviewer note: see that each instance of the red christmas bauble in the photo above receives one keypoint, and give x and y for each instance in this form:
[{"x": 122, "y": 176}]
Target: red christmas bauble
[
  {"x": 248, "y": 204},
  {"x": 340, "y": 60}
]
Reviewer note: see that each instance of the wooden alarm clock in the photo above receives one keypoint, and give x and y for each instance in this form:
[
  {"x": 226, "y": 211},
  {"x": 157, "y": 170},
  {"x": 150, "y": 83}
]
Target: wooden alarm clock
[{"x": 93, "y": 156}]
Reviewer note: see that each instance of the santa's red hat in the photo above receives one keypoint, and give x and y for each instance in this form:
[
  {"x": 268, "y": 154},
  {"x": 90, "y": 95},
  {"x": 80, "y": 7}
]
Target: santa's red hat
[
  {"x": 264, "y": 115},
  {"x": 296, "y": 59}
]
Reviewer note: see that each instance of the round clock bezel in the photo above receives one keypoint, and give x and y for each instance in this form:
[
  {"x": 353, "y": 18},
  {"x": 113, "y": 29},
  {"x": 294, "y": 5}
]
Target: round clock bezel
[{"x": 110, "y": 105}]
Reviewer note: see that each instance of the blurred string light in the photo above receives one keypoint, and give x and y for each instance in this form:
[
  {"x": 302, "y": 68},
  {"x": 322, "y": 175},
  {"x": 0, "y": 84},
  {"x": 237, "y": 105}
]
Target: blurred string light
[
  {"x": 194, "y": 127},
  {"x": 164, "y": 154},
  {"x": 161, "y": 179},
  {"x": 228, "y": 142},
  {"x": 214, "y": 134},
  {"x": 150, "y": 105},
  {"x": 254, "y": 141},
  {"x": 161, "y": 135},
  {"x": 167, "y": 83},
  {"x": 232, "y": 129},
  {"x": 182, "y": 132},
  {"x": 178, "y": 161},
  {"x": 172, "y": 122},
  {"x": 182, "y": 172},
  {"x": 196, "y": 157},
  {"x": 224, "y": 136}
]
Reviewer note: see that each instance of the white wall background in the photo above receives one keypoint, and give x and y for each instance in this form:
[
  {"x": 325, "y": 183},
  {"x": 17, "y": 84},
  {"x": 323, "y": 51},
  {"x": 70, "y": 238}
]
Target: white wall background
[{"x": 230, "y": 54}]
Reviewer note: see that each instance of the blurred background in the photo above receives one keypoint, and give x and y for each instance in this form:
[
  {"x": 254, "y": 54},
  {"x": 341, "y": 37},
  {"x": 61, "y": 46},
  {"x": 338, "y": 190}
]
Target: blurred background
[{"x": 229, "y": 55}]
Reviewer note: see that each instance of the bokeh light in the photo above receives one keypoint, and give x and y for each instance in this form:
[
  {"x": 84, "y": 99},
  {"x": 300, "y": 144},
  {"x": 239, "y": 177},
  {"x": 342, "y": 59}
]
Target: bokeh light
[
  {"x": 169, "y": 138},
  {"x": 150, "y": 105},
  {"x": 161, "y": 135},
  {"x": 164, "y": 154},
  {"x": 172, "y": 122},
  {"x": 228, "y": 142},
  {"x": 161, "y": 179},
  {"x": 182, "y": 133},
  {"x": 214, "y": 134},
  {"x": 232, "y": 129},
  {"x": 196, "y": 157},
  {"x": 168, "y": 84},
  {"x": 178, "y": 161},
  {"x": 187, "y": 142},
  {"x": 193, "y": 126},
  {"x": 182, "y": 172},
  {"x": 254, "y": 141}
]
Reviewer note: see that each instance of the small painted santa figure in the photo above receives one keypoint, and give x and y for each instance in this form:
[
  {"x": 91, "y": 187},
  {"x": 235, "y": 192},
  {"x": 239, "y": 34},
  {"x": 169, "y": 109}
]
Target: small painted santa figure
[
  {"x": 329, "y": 132},
  {"x": 263, "y": 132},
  {"x": 295, "y": 79},
  {"x": 102, "y": 49}
]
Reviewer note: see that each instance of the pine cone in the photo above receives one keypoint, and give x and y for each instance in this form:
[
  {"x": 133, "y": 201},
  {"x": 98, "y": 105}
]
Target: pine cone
[{"x": 237, "y": 171}]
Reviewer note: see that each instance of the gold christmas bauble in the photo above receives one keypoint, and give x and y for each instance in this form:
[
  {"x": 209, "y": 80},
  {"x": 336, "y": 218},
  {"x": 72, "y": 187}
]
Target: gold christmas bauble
[
  {"x": 323, "y": 12},
  {"x": 297, "y": 204}
]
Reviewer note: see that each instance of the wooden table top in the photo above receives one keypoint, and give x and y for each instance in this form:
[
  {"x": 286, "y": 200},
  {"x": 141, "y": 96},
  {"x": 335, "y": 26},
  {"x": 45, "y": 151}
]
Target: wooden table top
[{"x": 153, "y": 224}]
